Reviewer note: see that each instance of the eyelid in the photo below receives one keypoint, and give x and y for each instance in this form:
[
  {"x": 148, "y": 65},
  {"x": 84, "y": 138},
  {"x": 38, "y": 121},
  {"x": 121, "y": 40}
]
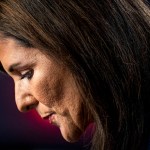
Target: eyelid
[{"x": 27, "y": 74}]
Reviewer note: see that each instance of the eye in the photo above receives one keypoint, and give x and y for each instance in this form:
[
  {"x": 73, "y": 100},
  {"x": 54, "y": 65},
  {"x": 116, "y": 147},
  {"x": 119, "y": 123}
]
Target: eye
[{"x": 27, "y": 74}]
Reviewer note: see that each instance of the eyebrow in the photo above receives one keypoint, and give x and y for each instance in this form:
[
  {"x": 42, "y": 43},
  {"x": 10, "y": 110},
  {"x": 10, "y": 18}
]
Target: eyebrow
[{"x": 13, "y": 66}]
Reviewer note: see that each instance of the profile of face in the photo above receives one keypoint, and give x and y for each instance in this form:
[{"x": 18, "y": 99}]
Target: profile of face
[{"x": 44, "y": 85}]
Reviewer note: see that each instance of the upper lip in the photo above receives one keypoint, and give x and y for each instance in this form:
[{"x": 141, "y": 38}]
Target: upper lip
[{"x": 46, "y": 116}]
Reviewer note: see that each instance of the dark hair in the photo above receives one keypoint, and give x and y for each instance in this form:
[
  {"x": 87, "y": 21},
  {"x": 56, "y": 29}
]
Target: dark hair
[{"x": 105, "y": 45}]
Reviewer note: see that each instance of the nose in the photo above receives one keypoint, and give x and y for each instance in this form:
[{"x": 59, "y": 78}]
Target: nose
[{"x": 25, "y": 101}]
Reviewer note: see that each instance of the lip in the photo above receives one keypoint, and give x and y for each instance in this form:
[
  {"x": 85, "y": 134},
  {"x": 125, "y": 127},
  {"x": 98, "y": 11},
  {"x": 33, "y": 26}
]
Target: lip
[
  {"x": 49, "y": 117},
  {"x": 46, "y": 117}
]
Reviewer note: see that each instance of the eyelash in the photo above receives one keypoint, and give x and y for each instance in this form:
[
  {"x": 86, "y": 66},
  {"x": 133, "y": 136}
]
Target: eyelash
[{"x": 27, "y": 75}]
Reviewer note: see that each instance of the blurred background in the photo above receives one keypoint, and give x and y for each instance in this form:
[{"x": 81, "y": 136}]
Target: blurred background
[{"x": 27, "y": 130}]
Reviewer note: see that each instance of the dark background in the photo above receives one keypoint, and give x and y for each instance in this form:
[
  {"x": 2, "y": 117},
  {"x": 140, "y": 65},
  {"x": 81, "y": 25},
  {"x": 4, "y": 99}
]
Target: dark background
[{"x": 26, "y": 130}]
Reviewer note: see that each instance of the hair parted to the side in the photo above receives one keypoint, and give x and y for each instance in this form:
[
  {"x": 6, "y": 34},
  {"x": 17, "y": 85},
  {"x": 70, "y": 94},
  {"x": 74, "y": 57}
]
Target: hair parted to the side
[{"x": 105, "y": 45}]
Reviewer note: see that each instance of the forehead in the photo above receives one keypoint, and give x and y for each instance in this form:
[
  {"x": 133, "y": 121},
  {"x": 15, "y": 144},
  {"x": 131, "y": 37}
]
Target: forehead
[
  {"x": 10, "y": 45},
  {"x": 11, "y": 51},
  {"x": 6, "y": 47},
  {"x": 6, "y": 43},
  {"x": 1, "y": 67},
  {"x": 3, "y": 46}
]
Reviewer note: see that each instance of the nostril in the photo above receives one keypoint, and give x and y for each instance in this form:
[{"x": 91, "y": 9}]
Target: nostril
[
  {"x": 26, "y": 102},
  {"x": 29, "y": 107}
]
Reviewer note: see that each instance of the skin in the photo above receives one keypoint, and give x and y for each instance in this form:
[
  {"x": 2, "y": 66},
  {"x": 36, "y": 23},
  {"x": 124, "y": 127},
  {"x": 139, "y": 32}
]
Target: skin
[{"x": 44, "y": 85}]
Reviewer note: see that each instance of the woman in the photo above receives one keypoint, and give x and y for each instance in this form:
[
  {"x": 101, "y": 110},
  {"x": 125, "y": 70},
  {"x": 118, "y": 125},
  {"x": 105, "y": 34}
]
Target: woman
[{"x": 79, "y": 62}]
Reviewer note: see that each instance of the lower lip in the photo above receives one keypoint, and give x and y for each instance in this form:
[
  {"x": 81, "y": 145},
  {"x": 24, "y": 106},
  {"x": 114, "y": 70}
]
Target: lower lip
[{"x": 51, "y": 118}]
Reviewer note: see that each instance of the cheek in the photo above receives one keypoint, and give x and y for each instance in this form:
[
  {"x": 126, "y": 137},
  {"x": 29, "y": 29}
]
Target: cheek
[
  {"x": 71, "y": 108},
  {"x": 76, "y": 112},
  {"x": 48, "y": 91}
]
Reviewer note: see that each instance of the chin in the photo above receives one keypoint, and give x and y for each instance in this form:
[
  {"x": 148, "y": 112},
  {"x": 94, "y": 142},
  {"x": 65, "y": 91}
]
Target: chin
[
  {"x": 71, "y": 139},
  {"x": 71, "y": 135}
]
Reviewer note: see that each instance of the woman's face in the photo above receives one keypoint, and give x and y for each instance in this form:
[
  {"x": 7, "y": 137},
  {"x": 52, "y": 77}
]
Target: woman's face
[{"x": 44, "y": 85}]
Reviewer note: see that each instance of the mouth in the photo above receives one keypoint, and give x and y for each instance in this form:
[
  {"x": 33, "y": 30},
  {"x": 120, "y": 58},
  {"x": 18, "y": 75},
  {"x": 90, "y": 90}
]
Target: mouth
[{"x": 50, "y": 118}]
